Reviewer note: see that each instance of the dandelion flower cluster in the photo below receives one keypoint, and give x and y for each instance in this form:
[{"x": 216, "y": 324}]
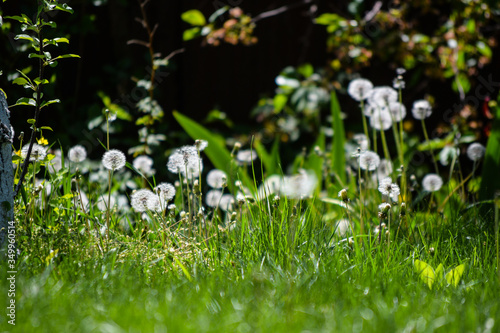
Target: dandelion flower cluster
[
  {"x": 475, "y": 151},
  {"x": 77, "y": 154},
  {"x": 113, "y": 160},
  {"x": 432, "y": 182}
]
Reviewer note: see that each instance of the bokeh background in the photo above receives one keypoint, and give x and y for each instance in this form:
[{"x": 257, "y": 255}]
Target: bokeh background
[{"x": 445, "y": 47}]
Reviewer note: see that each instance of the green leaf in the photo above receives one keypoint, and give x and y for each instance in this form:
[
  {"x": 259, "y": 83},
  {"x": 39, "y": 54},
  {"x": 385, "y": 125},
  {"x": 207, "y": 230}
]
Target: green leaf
[
  {"x": 25, "y": 101},
  {"x": 47, "y": 103},
  {"x": 191, "y": 33},
  {"x": 439, "y": 272},
  {"x": 338, "y": 154},
  {"x": 425, "y": 272},
  {"x": 31, "y": 121},
  {"x": 484, "y": 49},
  {"x": 216, "y": 150},
  {"x": 306, "y": 70},
  {"x": 453, "y": 276},
  {"x": 23, "y": 19},
  {"x": 47, "y": 128},
  {"x": 328, "y": 19},
  {"x": 114, "y": 108},
  {"x": 279, "y": 102},
  {"x": 20, "y": 81},
  {"x": 36, "y": 55},
  {"x": 38, "y": 81},
  {"x": 193, "y": 17},
  {"x": 62, "y": 7},
  {"x": 64, "y": 56},
  {"x": 490, "y": 182},
  {"x": 26, "y": 37},
  {"x": 270, "y": 160}
]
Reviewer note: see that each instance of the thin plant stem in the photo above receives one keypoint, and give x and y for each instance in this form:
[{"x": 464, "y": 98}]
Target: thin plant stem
[
  {"x": 430, "y": 146},
  {"x": 365, "y": 124}
]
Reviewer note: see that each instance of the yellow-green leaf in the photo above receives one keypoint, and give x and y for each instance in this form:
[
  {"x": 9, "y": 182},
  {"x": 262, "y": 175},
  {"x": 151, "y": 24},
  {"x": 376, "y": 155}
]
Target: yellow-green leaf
[
  {"x": 193, "y": 17},
  {"x": 453, "y": 276},
  {"x": 426, "y": 272}
]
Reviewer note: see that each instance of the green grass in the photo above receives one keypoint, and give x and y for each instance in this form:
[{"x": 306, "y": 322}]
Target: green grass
[{"x": 136, "y": 287}]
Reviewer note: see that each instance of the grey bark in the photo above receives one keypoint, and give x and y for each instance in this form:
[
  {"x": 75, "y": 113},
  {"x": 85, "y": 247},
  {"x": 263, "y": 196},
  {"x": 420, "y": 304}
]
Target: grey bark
[{"x": 6, "y": 169}]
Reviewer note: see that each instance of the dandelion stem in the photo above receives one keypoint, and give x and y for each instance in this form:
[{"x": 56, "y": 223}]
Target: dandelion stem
[
  {"x": 365, "y": 124},
  {"x": 430, "y": 146}
]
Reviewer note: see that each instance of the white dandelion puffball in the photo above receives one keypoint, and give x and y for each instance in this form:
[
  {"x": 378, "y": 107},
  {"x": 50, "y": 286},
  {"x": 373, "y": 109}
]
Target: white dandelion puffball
[
  {"x": 144, "y": 164},
  {"x": 387, "y": 187},
  {"x": 381, "y": 119},
  {"x": 102, "y": 203},
  {"x": 271, "y": 185},
  {"x": 181, "y": 158},
  {"x": 213, "y": 197},
  {"x": 201, "y": 144},
  {"x": 216, "y": 178},
  {"x": 193, "y": 168},
  {"x": 369, "y": 109},
  {"x": 369, "y": 160},
  {"x": 342, "y": 228},
  {"x": 384, "y": 169},
  {"x": 166, "y": 191},
  {"x": 421, "y": 109},
  {"x": 382, "y": 96},
  {"x": 398, "y": 111},
  {"x": 56, "y": 162},
  {"x": 300, "y": 186},
  {"x": 246, "y": 156},
  {"x": 77, "y": 154},
  {"x": 140, "y": 199},
  {"x": 227, "y": 202},
  {"x": 475, "y": 151},
  {"x": 38, "y": 152},
  {"x": 432, "y": 182},
  {"x": 359, "y": 89},
  {"x": 447, "y": 154},
  {"x": 361, "y": 140},
  {"x": 113, "y": 160},
  {"x": 155, "y": 204}
]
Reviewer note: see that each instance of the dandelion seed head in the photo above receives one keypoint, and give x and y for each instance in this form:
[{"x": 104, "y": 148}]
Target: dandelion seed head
[
  {"x": 382, "y": 96},
  {"x": 113, "y": 160},
  {"x": 212, "y": 198},
  {"x": 300, "y": 186},
  {"x": 359, "y": 89},
  {"x": 144, "y": 164},
  {"x": 183, "y": 157},
  {"x": 77, "y": 154},
  {"x": 38, "y": 152},
  {"x": 381, "y": 119},
  {"x": 432, "y": 182},
  {"x": 343, "y": 195},
  {"x": 227, "y": 202},
  {"x": 271, "y": 185},
  {"x": 343, "y": 228},
  {"x": 387, "y": 187},
  {"x": 369, "y": 161},
  {"x": 201, "y": 144},
  {"x": 155, "y": 204},
  {"x": 166, "y": 191},
  {"x": 246, "y": 156},
  {"x": 216, "y": 178},
  {"x": 361, "y": 140},
  {"x": 140, "y": 199},
  {"x": 421, "y": 109},
  {"x": 475, "y": 151},
  {"x": 397, "y": 111},
  {"x": 447, "y": 154}
]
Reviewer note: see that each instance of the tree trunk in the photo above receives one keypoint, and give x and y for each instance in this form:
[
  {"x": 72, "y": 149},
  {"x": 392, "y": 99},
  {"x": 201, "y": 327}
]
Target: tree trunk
[{"x": 6, "y": 170}]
